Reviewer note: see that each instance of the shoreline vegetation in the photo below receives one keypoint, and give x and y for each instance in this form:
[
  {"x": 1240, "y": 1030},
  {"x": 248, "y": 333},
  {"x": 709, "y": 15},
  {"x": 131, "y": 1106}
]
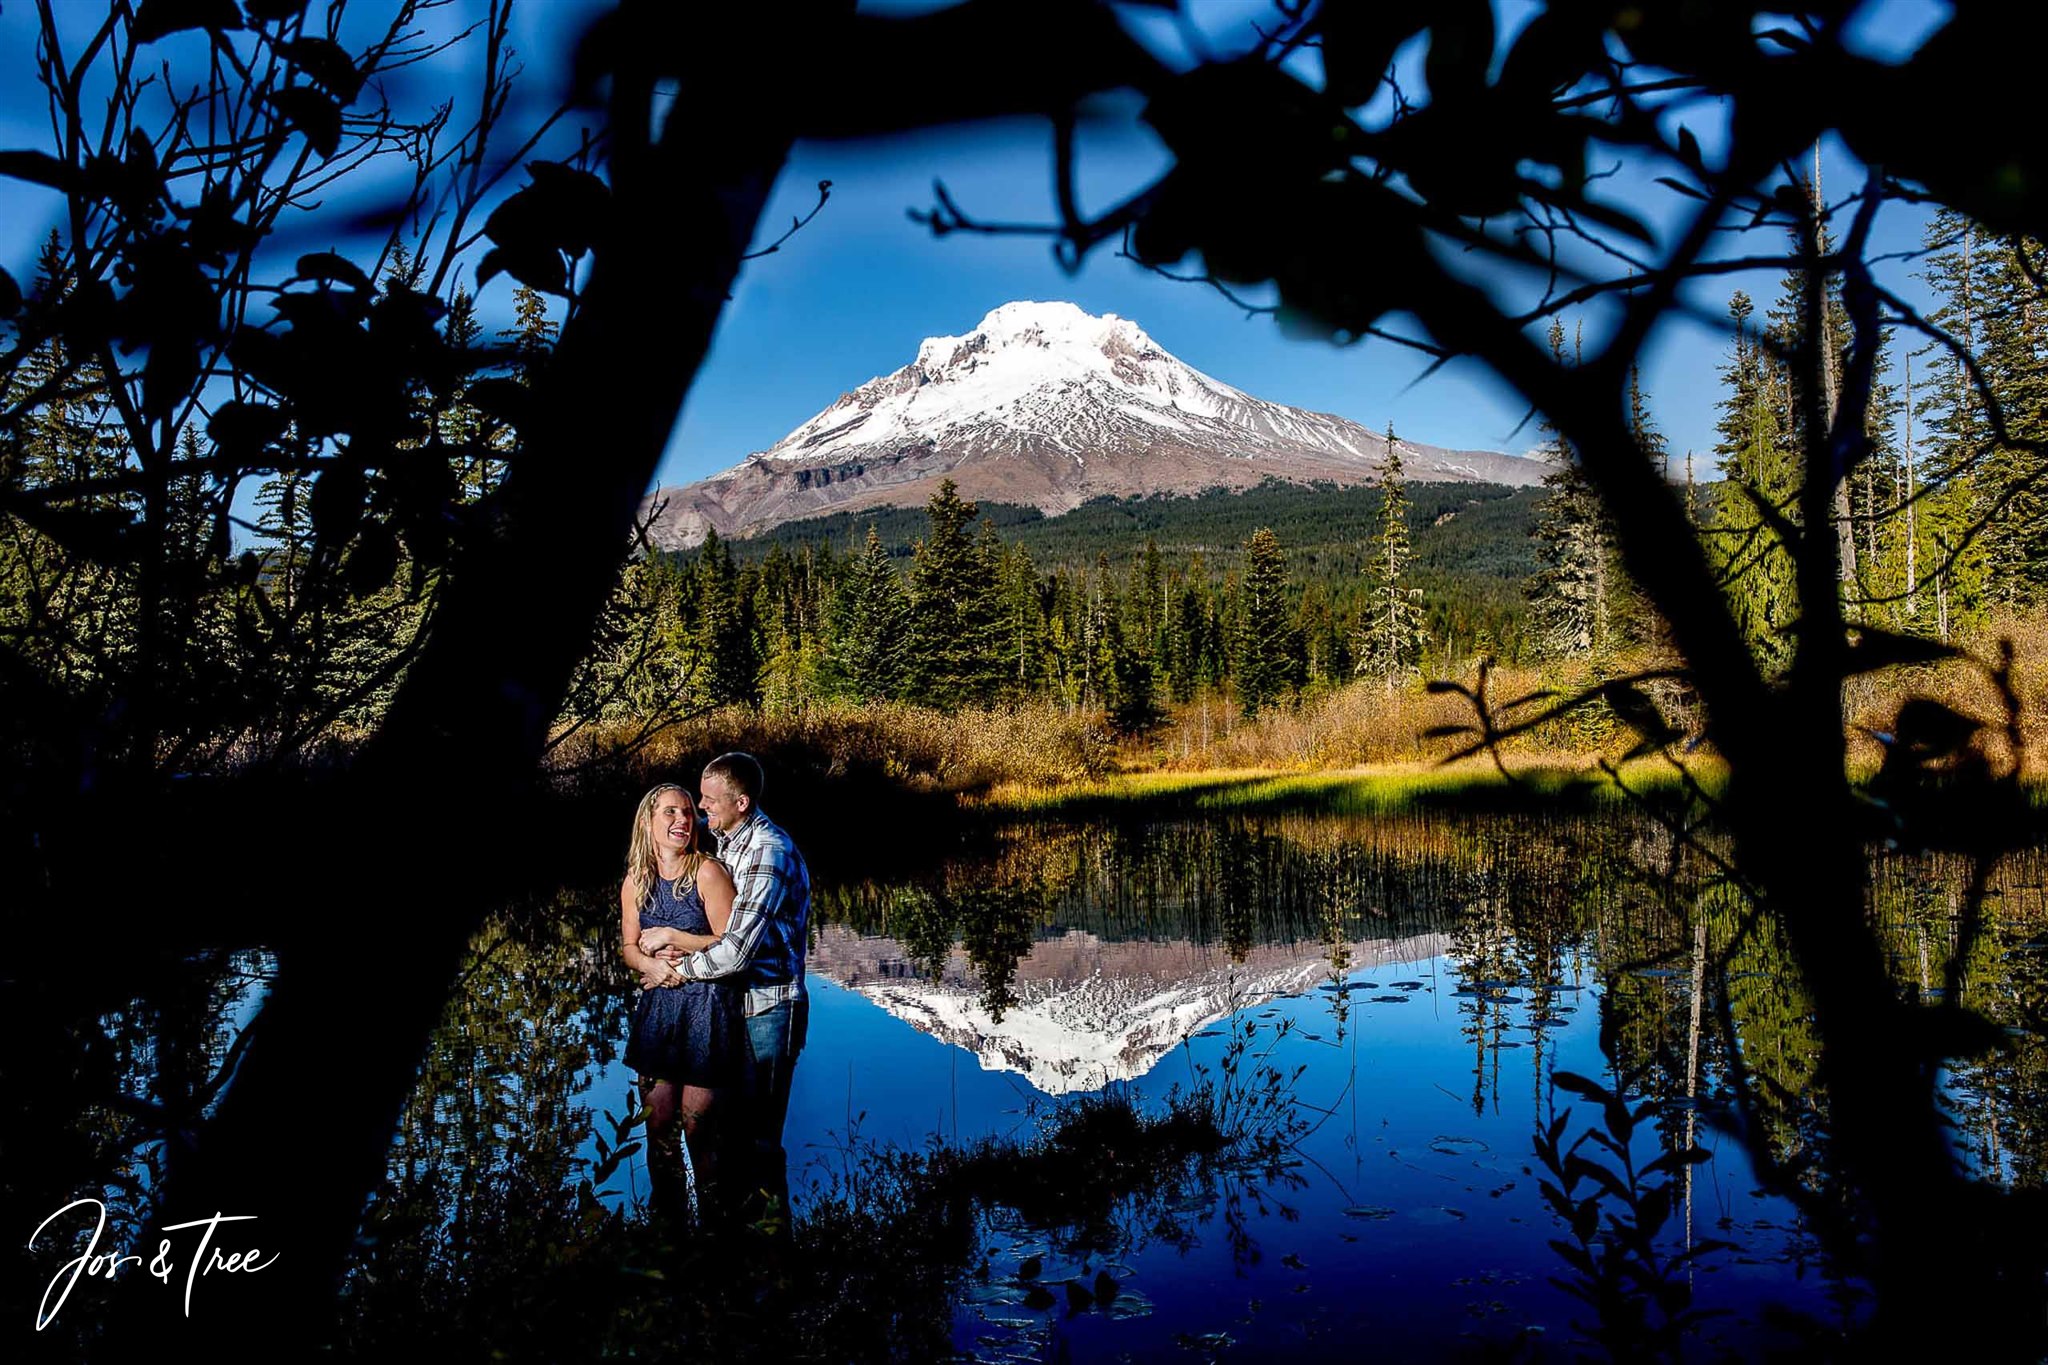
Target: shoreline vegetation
[{"x": 1364, "y": 748}]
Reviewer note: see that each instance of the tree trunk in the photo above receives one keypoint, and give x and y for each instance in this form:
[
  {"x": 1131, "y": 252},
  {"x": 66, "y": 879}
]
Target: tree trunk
[{"x": 300, "y": 1138}]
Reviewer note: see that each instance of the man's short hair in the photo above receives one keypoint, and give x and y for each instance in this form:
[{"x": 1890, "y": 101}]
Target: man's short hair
[{"x": 742, "y": 772}]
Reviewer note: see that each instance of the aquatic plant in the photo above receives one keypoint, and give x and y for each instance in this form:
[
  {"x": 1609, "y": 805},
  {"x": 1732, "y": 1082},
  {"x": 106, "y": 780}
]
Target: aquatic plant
[{"x": 1639, "y": 1291}]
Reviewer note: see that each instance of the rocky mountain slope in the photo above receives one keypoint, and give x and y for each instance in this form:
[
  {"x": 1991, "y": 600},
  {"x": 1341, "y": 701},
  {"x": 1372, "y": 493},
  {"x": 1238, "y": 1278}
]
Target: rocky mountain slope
[{"x": 1045, "y": 405}]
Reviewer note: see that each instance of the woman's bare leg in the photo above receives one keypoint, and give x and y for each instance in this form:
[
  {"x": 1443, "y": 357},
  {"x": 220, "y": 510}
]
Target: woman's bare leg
[
  {"x": 700, "y": 1131},
  {"x": 664, "y": 1158}
]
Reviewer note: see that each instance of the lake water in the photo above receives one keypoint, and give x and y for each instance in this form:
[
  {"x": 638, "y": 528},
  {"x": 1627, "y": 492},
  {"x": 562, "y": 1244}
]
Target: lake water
[
  {"x": 1402, "y": 1003},
  {"x": 1417, "y": 985}
]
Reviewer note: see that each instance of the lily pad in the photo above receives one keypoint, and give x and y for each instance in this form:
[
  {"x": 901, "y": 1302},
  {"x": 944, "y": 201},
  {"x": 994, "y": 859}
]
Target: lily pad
[
  {"x": 1458, "y": 1146},
  {"x": 1128, "y": 1303},
  {"x": 1437, "y": 1215},
  {"x": 994, "y": 1292}
]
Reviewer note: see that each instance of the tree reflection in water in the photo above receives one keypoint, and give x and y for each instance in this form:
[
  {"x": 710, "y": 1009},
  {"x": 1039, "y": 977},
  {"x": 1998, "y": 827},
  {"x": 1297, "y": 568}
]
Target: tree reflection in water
[
  {"x": 490, "y": 1232},
  {"x": 94, "y": 1096}
]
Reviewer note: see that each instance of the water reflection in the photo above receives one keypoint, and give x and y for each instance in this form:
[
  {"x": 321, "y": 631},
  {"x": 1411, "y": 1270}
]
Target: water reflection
[
  {"x": 1391, "y": 1011},
  {"x": 94, "y": 1096},
  {"x": 1397, "y": 998},
  {"x": 1076, "y": 1012},
  {"x": 1123, "y": 942}
]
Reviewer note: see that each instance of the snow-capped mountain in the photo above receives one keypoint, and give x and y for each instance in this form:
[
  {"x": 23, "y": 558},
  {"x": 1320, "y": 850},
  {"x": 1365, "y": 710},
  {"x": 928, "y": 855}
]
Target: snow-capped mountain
[
  {"x": 1046, "y": 405},
  {"x": 1090, "y": 1011}
]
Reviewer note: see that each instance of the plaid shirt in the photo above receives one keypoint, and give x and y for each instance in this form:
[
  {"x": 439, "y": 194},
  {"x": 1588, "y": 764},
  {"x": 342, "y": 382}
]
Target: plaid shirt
[{"x": 771, "y": 911}]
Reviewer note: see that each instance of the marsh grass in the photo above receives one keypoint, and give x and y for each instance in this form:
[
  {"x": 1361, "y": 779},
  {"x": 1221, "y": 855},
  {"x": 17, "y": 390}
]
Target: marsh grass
[
  {"x": 1469, "y": 786},
  {"x": 913, "y": 748},
  {"x": 1872, "y": 699},
  {"x": 1361, "y": 749}
]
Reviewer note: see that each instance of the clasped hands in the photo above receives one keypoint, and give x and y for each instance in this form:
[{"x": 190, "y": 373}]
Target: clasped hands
[{"x": 661, "y": 944}]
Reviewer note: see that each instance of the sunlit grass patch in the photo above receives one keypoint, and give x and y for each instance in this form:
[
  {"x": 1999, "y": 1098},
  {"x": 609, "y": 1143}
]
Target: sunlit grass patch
[
  {"x": 1150, "y": 789},
  {"x": 1567, "y": 782}
]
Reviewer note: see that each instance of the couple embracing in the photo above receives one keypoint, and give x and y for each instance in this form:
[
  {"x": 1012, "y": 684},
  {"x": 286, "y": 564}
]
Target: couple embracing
[{"x": 718, "y": 941}]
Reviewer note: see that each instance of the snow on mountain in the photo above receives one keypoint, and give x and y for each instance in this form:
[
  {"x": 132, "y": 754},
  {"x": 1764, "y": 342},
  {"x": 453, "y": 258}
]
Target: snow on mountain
[
  {"x": 1090, "y": 1011},
  {"x": 1045, "y": 404}
]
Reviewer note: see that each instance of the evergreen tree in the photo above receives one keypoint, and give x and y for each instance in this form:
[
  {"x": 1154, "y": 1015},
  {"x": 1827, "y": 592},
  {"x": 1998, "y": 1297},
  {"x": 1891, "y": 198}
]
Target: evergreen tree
[
  {"x": 1391, "y": 632},
  {"x": 1326, "y": 657},
  {"x": 992, "y": 645},
  {"x": 2012, "y": 477},
  {"x": 1568, "y": 595},
  {"x": 1630, "y": 618},
  {"x": 1103, "y": 622},
  {"x": 1876, "y": 497},
  {"x": 1024, "y": 602},
  {"x": 724, "y": 662},
  {"x": 1981, "y": 527},
  {"x": 461, "y": 425},
  {"x": 1133, "y": 701},
  {"x": 1149, "y": 575},
  {"x": 68, "y": 618},
  {"x": 871, "y": 625},
  {"x": 1957, "y": 425},
  {"x": 788, "y": 648},
  {"x": 1761, "y": 481},
  {"x": 1265, "y": 663},
  {"x": 284, "y": 525},
  {"x": 955, "y": 608}
]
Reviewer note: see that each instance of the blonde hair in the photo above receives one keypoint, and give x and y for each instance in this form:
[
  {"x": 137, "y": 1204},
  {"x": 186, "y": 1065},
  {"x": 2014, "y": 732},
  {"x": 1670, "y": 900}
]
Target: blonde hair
[{"x": 643, "y": 868}]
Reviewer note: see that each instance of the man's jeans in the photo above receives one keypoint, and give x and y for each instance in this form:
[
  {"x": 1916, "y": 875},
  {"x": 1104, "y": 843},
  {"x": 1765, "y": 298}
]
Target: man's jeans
[{"x": 776, "y": 1038}]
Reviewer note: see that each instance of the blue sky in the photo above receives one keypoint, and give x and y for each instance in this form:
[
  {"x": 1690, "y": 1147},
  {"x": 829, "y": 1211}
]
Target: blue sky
[{"x": 852, "y": 295}]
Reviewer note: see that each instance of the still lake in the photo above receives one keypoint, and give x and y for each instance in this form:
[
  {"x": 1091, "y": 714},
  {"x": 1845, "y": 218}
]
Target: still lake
[{"x": 1396, "y": 997}]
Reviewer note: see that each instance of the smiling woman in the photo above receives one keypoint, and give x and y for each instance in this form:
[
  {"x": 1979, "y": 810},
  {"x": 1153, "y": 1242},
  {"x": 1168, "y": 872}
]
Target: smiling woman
[
  {"x": 687, "y": 1042},
  {"x": 174, "y": 351}
]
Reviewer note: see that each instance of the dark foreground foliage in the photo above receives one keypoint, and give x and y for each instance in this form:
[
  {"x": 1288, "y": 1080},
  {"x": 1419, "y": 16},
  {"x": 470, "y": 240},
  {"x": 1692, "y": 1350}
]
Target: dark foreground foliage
[{"x": 871, "y": 1266}]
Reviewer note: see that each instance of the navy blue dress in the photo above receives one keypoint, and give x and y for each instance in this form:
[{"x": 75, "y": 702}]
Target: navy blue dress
[{"x": 693, "y": 1033}]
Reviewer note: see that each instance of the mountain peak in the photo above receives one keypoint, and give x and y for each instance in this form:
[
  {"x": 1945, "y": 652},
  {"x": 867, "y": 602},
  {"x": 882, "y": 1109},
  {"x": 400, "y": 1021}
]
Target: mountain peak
[
  {"x": 1049, "y": 325},
  {"x": 1030, "y": 361}
]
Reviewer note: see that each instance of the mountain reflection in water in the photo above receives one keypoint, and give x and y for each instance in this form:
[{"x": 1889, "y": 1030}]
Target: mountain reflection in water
[
  {"x": 1421, "y": 982},
  {"x": 1087, "y": 1011},
  {"x": 1421, "y": 991}
]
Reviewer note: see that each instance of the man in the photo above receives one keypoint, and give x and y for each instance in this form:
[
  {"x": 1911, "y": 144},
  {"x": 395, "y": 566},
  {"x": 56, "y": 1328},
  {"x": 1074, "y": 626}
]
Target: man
[{"x": 763, "y": 944}]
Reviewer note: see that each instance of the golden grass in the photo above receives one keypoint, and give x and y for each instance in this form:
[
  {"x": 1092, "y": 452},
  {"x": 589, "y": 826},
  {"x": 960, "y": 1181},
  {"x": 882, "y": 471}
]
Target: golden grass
[
  {"x": 1359, "y": 791},
  {"x": 906, "y": 746},
  {"x": 1872, "y": 700},
  {"x": 1367, "y": 723},
  {"x": 1362, "y": 747}
]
